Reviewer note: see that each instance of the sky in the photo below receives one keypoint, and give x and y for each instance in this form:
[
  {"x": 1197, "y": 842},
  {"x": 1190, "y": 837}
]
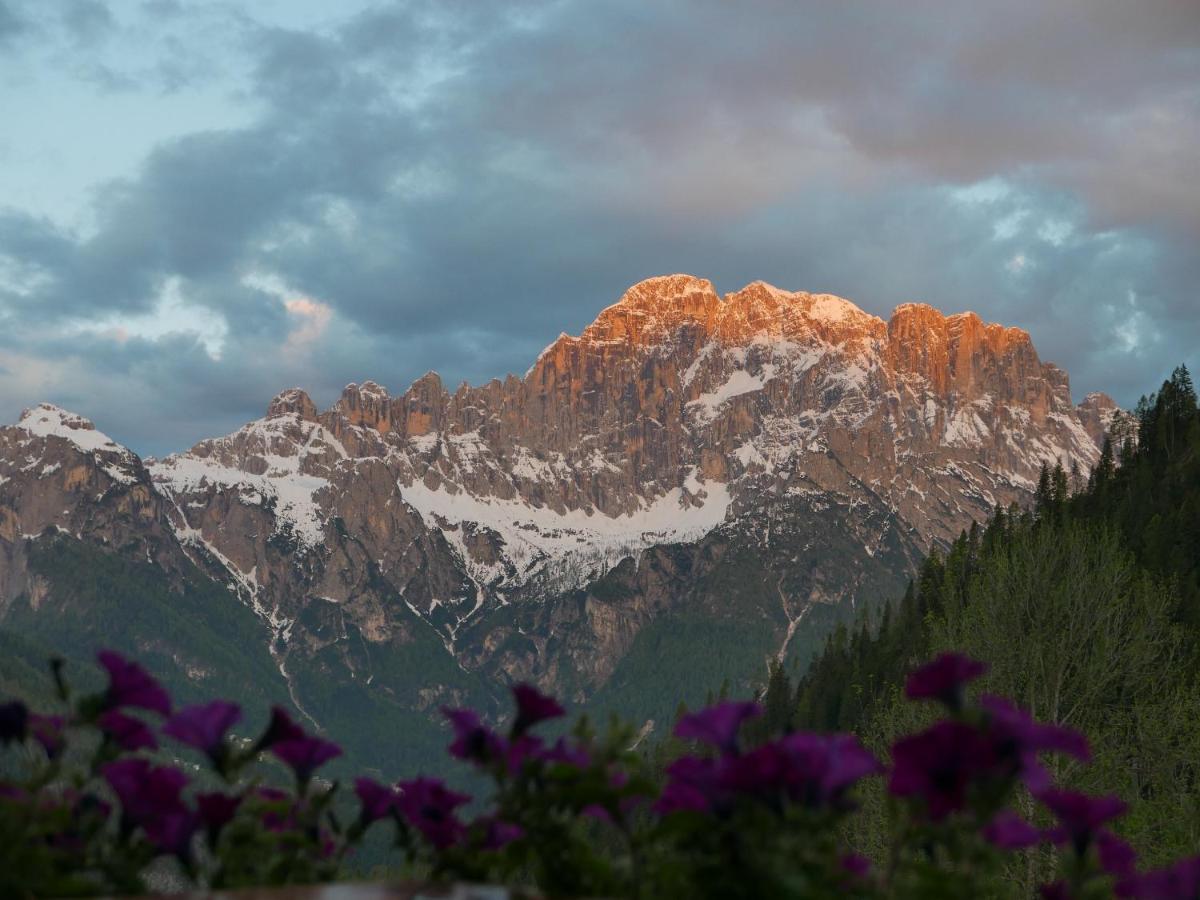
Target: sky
[{"x": 204, "y": 203}]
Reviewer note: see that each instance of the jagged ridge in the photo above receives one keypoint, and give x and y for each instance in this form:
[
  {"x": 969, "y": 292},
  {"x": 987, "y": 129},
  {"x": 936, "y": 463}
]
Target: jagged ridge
[{"x": 677, "y": 414}]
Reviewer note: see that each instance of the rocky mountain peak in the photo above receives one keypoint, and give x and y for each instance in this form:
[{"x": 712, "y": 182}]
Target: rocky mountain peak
[
  {"x": 1098, "y": 412},
  {"x": 293, "y": 401},
  {"x": 368, "y": 405},
  {"x": 49, "y": 421},
  {"x": 653, "y": 308},
  {"x": 680, "y": 432}
]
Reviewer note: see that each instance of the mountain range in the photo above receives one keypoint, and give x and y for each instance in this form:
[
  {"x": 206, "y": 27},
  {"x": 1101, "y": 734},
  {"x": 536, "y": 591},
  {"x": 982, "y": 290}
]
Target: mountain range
[{"x": 693, "y": 485}]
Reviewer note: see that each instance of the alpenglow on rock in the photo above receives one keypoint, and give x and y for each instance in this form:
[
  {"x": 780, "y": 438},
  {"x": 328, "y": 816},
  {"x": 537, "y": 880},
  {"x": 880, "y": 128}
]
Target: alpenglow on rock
[{"x": 773, "y": 456}]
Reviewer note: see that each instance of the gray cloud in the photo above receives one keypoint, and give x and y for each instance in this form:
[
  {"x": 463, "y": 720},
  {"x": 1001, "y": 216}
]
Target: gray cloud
[{"x": 453, "y": 184}]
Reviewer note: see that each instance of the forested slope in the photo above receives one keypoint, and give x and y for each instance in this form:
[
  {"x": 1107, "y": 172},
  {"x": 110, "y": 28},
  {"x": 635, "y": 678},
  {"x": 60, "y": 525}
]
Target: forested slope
[{"x": 1087, "y": 608}]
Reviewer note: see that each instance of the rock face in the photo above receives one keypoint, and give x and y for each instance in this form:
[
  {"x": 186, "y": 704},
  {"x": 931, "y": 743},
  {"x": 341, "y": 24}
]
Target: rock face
[
  {"x": 59, "y": 474},
  {"x": 786, "y": 449}
]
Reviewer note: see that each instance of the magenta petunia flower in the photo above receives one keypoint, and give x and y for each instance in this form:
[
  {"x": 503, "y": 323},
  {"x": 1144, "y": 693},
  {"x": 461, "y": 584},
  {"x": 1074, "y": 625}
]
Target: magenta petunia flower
[
  {"x": 597, "y": 812},
  {"x": 821, "y": 768},
  {"x": 216, "y": 810},
  {"x": 760, "y": 772},
  {"x": 279, "y": 728},
  {"x": 150, "y": 797},
  {"x": 533, "y": 707},
  {"x": 473, "y": 741},
  {"x": 271, "y": 795},
  {"x": 127, "y": 732},
  {"x": 1080, "y": 816},
  {"x": 692, "y": 786},
  {"x": 50, "y": 732},
  {"x": 428, "y": 806},
  {"x": 521, "y": 750},
  {"x": 131, "y": 685},
  {"x": 938, "y": 765},
  {"x": 1116, "y": 857},
  {"x": 1008, "y": 831},
  {"x": 1180, "y": 881},
  {"x": 14, "y": 718},
  {"x": 498, "y": 834},
  {"x": 856, "y": 864},
  {"x": 1017, "y": 739},
  {"x": 376, "y": 801},
  {"x": 204, "y": 726},
  {"x": 306, "y": 755},
  {"x": 565, "y": 753},
  {"x": 718, "y": 725},
  {"x": 810, "y": 769},
  {"x": 945, "y": 679},
  {"x": 172, "y": 832}
]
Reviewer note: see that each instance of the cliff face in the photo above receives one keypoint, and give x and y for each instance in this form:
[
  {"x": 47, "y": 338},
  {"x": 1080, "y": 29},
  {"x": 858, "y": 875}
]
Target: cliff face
[
  {"x": 59, "y": 474},
  {"x": 541, "y": 524}
]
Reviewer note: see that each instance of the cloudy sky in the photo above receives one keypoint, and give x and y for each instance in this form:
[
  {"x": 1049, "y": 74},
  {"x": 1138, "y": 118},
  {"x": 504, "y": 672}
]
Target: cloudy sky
[{"x": 203, "y": 203}]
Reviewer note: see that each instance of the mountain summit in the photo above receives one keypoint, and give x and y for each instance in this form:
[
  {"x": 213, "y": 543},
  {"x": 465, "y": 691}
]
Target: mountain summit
[{"x": 767, "y": 460}]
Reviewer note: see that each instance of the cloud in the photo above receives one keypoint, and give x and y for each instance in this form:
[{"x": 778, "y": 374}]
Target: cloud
[{"x": 449, "y": 185}]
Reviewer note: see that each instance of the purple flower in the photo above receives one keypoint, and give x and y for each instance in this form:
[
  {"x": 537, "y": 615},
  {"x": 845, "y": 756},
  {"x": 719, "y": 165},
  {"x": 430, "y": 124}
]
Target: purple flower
[
  {"x": 498, "y": 834},
  {"x": 131, "y": 685},
  {"x": 329, "y": 845},
  {"x": 1008, "y": 831},
  {"x": 12, "y": 792},
  {"x": 718, "y": 725},
  {"x": 150, "y": 798},
  {"x": 1116, "y": 857},
  {"x": 473, "y": 741},
  {"x": 945, "y": 679},
  {"x": 428, "y": 805},
  {"x": 127, "y": 732},
  {"x": 1055, "y": 890},
  {"x": 692, "y": 786},
  {"x": 938, "y": 765},
  {"x": 49, "y": 732},
  {"x": 204, "y": 726},
  {"x": 1080, "y": 816},
  {"x": 821, "y": 768},
  {"x": 1180, "y": 881},
  {"x": 275, "y": 808},
  {"x": 1017, "y": 740},
  {"x": 561, "y": 752},
  {"x": 216, "y": 810},
  {"x": 14, "y": 717},
  {"x": 172, "y": 832},
  {"x": 280, "y": 728},
  {"x": 810, "y": 769},
  {"x": 145, "y": 790},
  {"x": 856, "y": 864},
  {"x": 305, "y": 755},
  {"x": 524, "y": 749},
  {"x": 533, "y": 707},
  {"x": 375, "y": 801},
  {"x": 596, "y": 811}
]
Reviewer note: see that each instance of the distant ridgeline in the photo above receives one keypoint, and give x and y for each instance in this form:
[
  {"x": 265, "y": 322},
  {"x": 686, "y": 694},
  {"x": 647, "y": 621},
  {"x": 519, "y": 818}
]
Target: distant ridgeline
[{"x": 1087, "y": 608}]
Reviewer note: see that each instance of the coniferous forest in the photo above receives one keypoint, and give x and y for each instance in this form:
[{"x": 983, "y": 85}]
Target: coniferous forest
[{"x": 1086, "y": 606}]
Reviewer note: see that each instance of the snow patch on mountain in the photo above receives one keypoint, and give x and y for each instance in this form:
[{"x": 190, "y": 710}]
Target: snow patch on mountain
[
  {"x": 706, "y": 406},
  {"x": 566, "y": 548},
  {"x": 48, "y": 420}
]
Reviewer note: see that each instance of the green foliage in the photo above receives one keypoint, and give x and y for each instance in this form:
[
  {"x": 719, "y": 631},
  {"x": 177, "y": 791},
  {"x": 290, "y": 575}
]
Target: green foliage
[
  {"x": 677, "y": 659},
  {"x": 200, "y": 640},
  {"x": 1088, "y": 608},
  {"x": 198, "y": 637}
]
